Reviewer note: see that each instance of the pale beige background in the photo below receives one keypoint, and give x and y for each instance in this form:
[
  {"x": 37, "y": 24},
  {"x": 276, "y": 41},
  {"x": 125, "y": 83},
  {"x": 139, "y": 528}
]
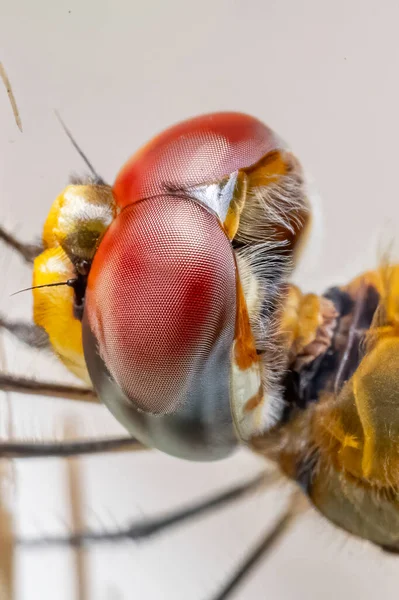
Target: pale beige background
[{"x": 325, "y": 76}]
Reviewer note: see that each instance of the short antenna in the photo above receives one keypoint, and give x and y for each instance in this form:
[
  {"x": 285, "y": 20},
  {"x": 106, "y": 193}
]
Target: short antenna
[
  {"x": 76, "y": 146},
  {"x": 69, "y": 282}
]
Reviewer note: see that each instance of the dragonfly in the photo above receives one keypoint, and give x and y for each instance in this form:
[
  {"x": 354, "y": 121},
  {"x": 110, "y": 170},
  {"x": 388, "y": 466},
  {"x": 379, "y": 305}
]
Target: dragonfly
[{"x": 169, "y": 295}]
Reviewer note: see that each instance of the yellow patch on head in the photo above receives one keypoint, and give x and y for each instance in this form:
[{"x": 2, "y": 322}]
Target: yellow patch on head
[
  {"x": 79, "y": 218},
  {"x": 53, "y": 309}
]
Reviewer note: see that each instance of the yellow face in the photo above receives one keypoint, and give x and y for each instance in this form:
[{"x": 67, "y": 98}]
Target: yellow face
[
  {"x": 73, "y": 229},
  {"x": 53, "y": 309}
]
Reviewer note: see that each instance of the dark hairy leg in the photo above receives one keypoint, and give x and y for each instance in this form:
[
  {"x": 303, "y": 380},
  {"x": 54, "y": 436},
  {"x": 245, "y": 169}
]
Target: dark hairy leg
[
  {"x": 146, "y": 528},
  {"x": 26, "y": 251},
  {"x": 24, "y": 385},
  {"x": 28, "y": 333},
  {"x": 64, "y": 449},
  {"x": 143, "y": 530},
  {"x": 264, "y": 546}
]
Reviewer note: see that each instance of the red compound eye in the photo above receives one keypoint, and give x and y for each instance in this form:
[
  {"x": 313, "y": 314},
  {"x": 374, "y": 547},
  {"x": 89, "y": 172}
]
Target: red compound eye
[
  {"x": 200, "y": 150},
  {"x": 161, "y": 303}
]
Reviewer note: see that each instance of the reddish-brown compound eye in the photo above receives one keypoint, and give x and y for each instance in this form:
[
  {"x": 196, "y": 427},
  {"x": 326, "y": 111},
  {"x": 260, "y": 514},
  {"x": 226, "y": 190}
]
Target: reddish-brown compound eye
[
  {"x": 197, "y": 151},
  {"x": 161, "y": 303}
]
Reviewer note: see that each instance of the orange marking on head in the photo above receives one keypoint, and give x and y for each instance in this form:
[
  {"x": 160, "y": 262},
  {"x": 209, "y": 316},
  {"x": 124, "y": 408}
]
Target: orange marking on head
[
  {"x": 268, "y": 170},
  {"x": 255, "y": 401},
  {"x": 244, "y": 350},
  {"x": 232, "y": 220}
]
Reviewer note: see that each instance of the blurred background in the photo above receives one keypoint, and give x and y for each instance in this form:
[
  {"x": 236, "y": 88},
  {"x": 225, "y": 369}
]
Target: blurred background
[{"x": 324, "y": 75}]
